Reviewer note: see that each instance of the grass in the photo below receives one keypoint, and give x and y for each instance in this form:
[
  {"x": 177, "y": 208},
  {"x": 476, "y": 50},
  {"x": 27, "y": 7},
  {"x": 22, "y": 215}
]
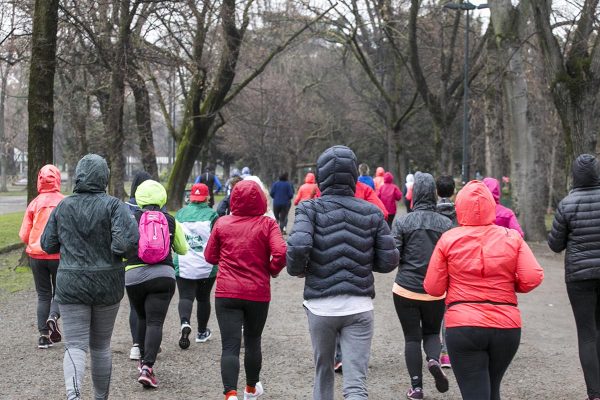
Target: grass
[
  {"x": 9, "y": 228},
  {"x": 14, "y": 279}
]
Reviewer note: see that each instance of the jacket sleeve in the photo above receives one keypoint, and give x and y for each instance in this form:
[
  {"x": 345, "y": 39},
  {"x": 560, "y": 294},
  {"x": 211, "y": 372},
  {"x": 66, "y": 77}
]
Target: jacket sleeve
[
  {"x": 27, "y": 224},
  {"x": 123, "y": 229},
  {"x": 290, "y": 191},
  {"x": 397, "y": 235},
  {"x": 318, "y": 192},
  {"x": 218, "y": 184},
  {"x": 212, "y": 251},
  {"x": 513, "y": 223},
  {"x": 272, "y": 191},
  {"x": 529, "y": 272},
  {"x": 223, "y": 206},
  {"x": 397, "y": 193},
  {"x": 436, "y": 279},
  {"x": 372, "y": 198},
  {"x": 180, "y": 245},
  {"x": 297, "y": 199},
  {"x": 387, "y": 256},
  {"x": 300, "y": 242},
  {"x": 557, "y": 238},
  {"x": 277, "y": 247},
  {"x": 49, "y": 240}
]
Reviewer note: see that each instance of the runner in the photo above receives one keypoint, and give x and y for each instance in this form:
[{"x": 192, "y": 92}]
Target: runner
[
  {"x": 195, "y": 276},
  {"x": 309, "y": 190},
  {"x": 43, "y": 265},
  {"x": 249, "y": 250},
  {"x": 378, "y": 179},
  {"x": 389, "y": 194},
  {"x": 504, "y": 215},
  {"x": 282, "y": 193}
]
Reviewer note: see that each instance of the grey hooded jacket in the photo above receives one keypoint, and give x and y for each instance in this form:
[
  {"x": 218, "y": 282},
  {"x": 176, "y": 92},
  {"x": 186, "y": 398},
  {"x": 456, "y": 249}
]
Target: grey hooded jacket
[
  {"x": 93, "y": 232},
  {"x": 417, "y": 233},
  {"x": 338, "y": 241}
]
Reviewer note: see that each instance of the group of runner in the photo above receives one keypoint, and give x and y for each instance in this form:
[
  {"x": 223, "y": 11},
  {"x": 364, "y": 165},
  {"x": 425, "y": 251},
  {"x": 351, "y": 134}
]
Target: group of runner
[{"x": 459, "y": 267}]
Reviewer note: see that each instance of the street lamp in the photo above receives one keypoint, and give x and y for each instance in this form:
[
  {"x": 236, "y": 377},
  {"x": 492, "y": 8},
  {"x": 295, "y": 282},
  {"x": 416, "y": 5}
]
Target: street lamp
[{"x": 465, "y": 6}]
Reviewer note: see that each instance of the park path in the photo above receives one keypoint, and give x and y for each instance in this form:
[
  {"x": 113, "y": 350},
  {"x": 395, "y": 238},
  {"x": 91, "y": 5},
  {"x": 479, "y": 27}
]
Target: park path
[{"x": 11, "y": 204}]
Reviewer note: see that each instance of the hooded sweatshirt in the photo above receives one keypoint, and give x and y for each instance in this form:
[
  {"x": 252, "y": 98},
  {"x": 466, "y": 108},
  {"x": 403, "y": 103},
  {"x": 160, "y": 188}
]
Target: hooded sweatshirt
[
  {"x": 481, "y": 265},
  {"x": 504, "y": 216},
  {"x": 576, "y": 226},
  {"x": 309, "y": 190},
  {"x": 247, "y": 246},
  {"x": 389, "y": 193},
  {"x": 39, "y": 210},
  {"x": 93, "y": 232},
  {"x": 378, "y": 180}
]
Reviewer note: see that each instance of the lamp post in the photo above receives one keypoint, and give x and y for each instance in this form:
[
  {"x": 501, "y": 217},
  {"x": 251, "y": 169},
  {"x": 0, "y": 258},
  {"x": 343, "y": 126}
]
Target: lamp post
[{"x": 465, "y": 6}]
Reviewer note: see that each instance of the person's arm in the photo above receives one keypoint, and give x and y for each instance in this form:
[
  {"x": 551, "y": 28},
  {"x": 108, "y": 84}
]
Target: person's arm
[
  {"x": 513, "y": 223},
  {"x": 529, "y": 272},
  {"x": 197, "y": 180},
  {"x": 49, "y": 240},
  {"x": 397, "y": 235},
  {"x": 212, "y": 251},
  {"x": 223, "y": 206},
  {"x": 290, "y": 191},
  {"x": 436, "y": 279},
  {"x": 27, "y": 223},
  {"x": 557, "y": 238},
  {"x": 180, "y": 245},
  {"x": 297, "y": 199},
  {"x": 387, "y": 256},
  {"x": 397, "y": 193},
  {"x": 218, "y": 184},
  {"x": 318, "y": 192},
  {"x": 272, "y": 191},
  {"x": 123, "y": 229},
  {"x": 300, "y": 242},
  {"x": 277, "y": 248}
]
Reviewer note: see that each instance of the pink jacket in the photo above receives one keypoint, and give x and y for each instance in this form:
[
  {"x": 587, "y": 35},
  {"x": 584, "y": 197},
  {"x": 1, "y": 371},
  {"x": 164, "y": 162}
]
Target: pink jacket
[
  {"x": 504, "y": 216},
  {"x": 389, "y": 193},
  {"x": 38, "y": 211}
]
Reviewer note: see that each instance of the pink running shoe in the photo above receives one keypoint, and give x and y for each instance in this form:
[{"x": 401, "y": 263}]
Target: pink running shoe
[
  {"x": 445, "y": 361},
  {"x": 147, "y": 377},
  {"x": 415, "y": 394}
]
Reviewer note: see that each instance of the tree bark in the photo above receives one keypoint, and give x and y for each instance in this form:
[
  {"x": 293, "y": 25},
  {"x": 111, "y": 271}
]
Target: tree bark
[
  {"x": 40, "y": 105},
  {"x": 4, "y": 145}
]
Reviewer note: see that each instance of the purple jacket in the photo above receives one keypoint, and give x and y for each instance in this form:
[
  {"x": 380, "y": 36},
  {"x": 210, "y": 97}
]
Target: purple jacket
[{"x": 504, "y": 216}]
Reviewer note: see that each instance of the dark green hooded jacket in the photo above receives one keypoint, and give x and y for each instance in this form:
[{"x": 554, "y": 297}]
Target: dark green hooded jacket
[{"x": 93, "y": 233}]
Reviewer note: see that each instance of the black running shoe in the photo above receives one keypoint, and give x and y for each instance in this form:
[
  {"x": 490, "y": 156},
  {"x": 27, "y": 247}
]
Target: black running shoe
[
  {"x": 441, "y": 381},
  {"x": 44, "y": 342}
]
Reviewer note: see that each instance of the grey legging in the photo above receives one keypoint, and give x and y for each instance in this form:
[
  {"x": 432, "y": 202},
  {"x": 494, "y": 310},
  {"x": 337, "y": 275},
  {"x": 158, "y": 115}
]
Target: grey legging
[{"x": 87, "y": 327}]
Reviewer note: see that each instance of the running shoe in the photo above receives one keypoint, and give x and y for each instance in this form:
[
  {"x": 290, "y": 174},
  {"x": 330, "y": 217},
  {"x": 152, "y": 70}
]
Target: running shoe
[
  {"x": 134, "y": 353},
  {"x": 184, "y": 340},
  {"x": 337, "y": 367},
  {"x": 55, "y": 335},
  {"x": 445, "y": 361},
  {"x": 147, "y": 377},
  {"x": 203, "y": 336},
  {"x": 231, "y": 395},
  {"x": 441, "y": 381},
  {"x": 44, "y": 342},
  {"x": 258, "y": 391},
  {"x": 415, "y": 394}
]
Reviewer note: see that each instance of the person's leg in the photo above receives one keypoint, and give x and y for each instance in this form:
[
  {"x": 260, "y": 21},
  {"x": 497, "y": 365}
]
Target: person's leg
[
  {"x": 255, "y": 317},
  {"x": 101, "y": 329},
  {"x": 432, "y": 313},
  {"x": 323, "y": 334},
  {"x": 186, "y": 289},
  {"x": 43, "y": 287},
  {"x": 53, "y": 268},
  {"x": 284, "y": 217},
  {"x": 159, "y": 293},
  {"x": 390, "y": 219},
  {"x": 503, "y": 347},
  {"x": 276, "y": 210},
  {"x": 203, "y": 290},
  {"x": 468, "y": 348},
  {"x": 355, "y": 339},
  {"x": 137, "y": 298},
  {"x": 410, "y": 319},
  {"x": 132, "y": 323},
  {"x": 583, "y": 296},
  {"x": 230, "y": 318},
  {"x": 76, "y": 328}
]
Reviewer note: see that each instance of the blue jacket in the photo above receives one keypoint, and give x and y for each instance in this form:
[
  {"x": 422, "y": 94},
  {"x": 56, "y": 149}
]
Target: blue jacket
[
  {"x": 367, "y": 180},
  {"x": 282, "y": 193}
]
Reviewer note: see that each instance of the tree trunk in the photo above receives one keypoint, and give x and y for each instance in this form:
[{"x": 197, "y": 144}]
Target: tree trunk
[
  {"x": 4, "y": 145},
  {"x": 40, "y": 106},
  {"x": 143, "y": 120},
  {"x": 493, "y": 112}
]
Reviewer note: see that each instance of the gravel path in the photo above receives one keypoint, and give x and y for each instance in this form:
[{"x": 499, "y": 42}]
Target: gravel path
[{"x": 546, "y": 365}]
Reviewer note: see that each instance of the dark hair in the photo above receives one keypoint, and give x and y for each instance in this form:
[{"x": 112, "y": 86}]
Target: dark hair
[
  {"x": 235, "y": 180},
  {"x": 445, "y": 186},
  {"x": 283, "y": 176}
]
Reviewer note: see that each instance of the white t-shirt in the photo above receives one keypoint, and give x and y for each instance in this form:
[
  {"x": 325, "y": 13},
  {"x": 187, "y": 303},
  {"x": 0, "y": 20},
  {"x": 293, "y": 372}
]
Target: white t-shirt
[{"x": 338, "y": 306}]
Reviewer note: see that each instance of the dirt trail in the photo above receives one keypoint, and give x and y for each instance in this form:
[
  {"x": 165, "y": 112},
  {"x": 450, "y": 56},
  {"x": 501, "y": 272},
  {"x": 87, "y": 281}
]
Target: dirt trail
[{"x": 546, "y": 365}]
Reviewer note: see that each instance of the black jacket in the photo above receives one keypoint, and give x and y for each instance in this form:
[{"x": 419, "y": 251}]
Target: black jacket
[
  {"x": 417, "y": 233},
  {"x": 576, "y": 224},
  {"x": 338, "y": 241}
]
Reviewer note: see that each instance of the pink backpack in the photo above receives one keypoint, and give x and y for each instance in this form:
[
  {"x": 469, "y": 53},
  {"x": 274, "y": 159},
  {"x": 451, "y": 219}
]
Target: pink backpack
[{"x": 155, "y": 243}]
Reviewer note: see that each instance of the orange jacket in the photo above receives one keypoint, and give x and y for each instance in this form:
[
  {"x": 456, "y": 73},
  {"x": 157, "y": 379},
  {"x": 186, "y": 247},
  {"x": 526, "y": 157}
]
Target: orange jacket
[
  {"x": 309, "y": 190},
  {"x": 38, "y": 211},
  {"x": 481, "y": 265},
  {"x": 366, "y": 193},
  {"x": 379, "y": 178}
]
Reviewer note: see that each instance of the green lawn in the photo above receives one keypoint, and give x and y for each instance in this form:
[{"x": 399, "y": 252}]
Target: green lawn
[
  {"x": 12, "y": 278},
  {"x": 9, "y": 228}
]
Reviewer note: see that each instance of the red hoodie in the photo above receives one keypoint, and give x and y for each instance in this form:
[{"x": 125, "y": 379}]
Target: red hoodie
[
  {"x": 389, "y": 193},
  {"x": 247, "y": 246},
  {"x": 482, "y": 266},
  {"x": 309, "y": 190},
  {"x": 38, "y": 211}
]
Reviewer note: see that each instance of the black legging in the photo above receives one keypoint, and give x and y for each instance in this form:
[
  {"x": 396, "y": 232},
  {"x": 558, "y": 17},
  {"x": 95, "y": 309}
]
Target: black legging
[
  {"x": 421, "y": 322},
  {"x": 199, "y": 289},
  {"x": 480, "y": 357},
  {"x": 151, "y": 302},
  {"x": 232, "y": 314},
  {"x": 281, "y": 215},
  {"x": 585, "y": 302}
]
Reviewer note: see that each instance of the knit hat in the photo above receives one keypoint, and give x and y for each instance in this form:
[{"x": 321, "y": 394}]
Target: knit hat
[{"x": 199, "y": 193}]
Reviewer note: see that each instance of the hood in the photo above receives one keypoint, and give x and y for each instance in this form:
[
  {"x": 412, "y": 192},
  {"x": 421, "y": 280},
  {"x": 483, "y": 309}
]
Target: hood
[
  {"x": 337, "y": 171},
  {"x": 494, "y": 187},
  {"x": 248, "y": 199},
  {"x": 310, "y": 178},
  {"x": 151, "y": 193},
  {"x": 379, "y": 171},
  {"x": 410, "y": 178},
  {"x": 586, "y": 171},
  {"x": 48, "y": 179},
  {"x": 424, "y": 192},
  {"x": 388, "y": 178},
  {"x": 235, "y": 172},
  {"x": 138, "y": 178},
  {"x": 91, "y": 174},
  {"x": 475, "y": 205},
  {"x": 246, "y": 171}
]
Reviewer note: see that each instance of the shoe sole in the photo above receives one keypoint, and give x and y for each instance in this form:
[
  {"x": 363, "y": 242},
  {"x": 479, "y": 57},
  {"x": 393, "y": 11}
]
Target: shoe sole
[
  {"x": 46, "y": 346},
  {"x": 55, "y": 334},
  {"x": 184, "y": 341},
  {"x": 147, "y": 383},
  {"x": 204, "y": 340},
  {"x": 446, "y": 366},
  {"x": 441, "y": 381}
]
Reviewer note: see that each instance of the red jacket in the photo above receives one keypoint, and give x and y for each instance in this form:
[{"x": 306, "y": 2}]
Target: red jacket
[
  {"x": 481, "y": 265},
  {"x": 309, "y": 190},
  {"x": 247, "y": 246},
  {"x": 365, "y": 192},
  {"x": 38, "y": 211},
  {"x": 389, "y": 193}
]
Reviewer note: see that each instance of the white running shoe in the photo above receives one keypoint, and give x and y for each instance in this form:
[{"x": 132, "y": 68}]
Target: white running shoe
[
  {"x": 259, "y": 392},
  {"x": 134, "y": 353}
]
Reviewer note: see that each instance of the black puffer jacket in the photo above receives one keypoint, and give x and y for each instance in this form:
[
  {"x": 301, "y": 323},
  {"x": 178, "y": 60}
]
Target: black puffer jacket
[
  {"x": 417, "y": 233},
  {"x": 338, "y": 241},
  {"x": 576, "y": 224},
  {"x": 93, "y": 232}
]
